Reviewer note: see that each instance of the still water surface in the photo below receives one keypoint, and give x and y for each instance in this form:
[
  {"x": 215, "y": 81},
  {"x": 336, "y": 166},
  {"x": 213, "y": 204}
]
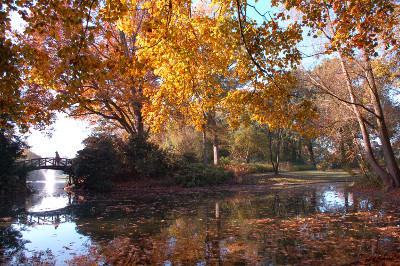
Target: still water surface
[{"x": 231, "y": 225}]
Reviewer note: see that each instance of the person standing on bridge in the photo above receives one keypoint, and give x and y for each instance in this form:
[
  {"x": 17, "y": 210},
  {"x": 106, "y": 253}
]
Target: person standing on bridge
[{"x": 58, "y": 159}]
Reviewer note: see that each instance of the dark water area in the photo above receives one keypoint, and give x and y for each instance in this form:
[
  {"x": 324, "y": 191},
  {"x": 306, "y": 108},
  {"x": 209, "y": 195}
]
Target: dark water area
[{"x": 245, "y": 225}]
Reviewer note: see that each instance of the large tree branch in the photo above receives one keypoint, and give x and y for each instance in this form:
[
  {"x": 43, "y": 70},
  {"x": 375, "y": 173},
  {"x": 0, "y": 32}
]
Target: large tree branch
[
  {"x": 100, "y": 52},
  {"x": 123, "y": 115},
  {"x": 86, "y": 27},
  {"x": 92, "y": 111},
  {"x": 328, "y": 91},
  {"x": 136, "y": 33},
  {"x": 259, "y": 67}
]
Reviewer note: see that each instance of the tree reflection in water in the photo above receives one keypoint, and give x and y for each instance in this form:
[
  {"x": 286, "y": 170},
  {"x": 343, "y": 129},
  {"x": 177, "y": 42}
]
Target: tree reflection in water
[
  {"x": 235, "y": 225},
  {"x": 313, "y": 225},
  {"x": 11, "y": 242}
]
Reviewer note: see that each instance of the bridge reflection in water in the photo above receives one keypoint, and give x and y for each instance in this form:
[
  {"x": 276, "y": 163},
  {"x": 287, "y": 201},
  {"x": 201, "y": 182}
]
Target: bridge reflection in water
[
  {"x": 48, "y": 218},
  {"x": 54, "y": 217}
]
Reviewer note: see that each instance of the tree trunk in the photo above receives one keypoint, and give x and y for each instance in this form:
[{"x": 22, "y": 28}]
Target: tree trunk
[
  {"x": 216, "y": 149},
  {"x": 205, "y": 145},
  {"x": 217, "y": 212},
  {"x": 342, "y": 148},
  {"x": 382, "y": 127},
  {"x": 137, "y": 107},
  {"x": 270, "y": 149},
  {"x": 138, "y": 119},
  {"x": 247, "y": 157},
  {"x": 299, "y": 149},
  {"x": 310, "y": 151},
  {"x": 275, "y": 164},
  {"x": 278, "y": 148},
  {"x": 385, "y": 176}
]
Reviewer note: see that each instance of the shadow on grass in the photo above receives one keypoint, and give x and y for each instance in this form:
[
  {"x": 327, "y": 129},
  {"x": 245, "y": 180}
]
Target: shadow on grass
[{"x": 298, "y": 177}]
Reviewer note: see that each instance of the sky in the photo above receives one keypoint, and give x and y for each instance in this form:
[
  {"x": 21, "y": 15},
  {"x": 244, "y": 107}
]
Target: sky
[{"x": 66, "y": 139}]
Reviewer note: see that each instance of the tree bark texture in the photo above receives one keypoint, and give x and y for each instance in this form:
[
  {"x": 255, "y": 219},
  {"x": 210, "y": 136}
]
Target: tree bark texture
[
  {"x": 382, "y": 127},
  {"x": 391, "y": 178},
  {"x": 216, "y": 149},
  {"x": 310, "y": 151},
  {"x": 205, "y": 145},
  {"x": 275, "y": 164}
]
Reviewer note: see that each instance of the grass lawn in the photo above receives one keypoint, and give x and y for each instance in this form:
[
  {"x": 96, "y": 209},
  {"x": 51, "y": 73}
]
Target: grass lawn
[{"x": 298, "y": 177}]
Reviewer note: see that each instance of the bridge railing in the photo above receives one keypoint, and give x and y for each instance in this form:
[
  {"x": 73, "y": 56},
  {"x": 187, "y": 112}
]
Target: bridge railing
[{"x": 48, "y": 162}]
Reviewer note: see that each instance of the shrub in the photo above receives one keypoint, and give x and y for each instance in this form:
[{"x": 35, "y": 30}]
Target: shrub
[
  {"x": 259, "y": 168},
  {"x": 145, "y": 158},
  {"x": 249, "y": 168},
  {"x": 369, "y": 180},
  {"x": 107, "y": 158},
  {"x": 186, "y": 158},
  {"x": 98, "y": 161},
  {"x": 12, "y": 176},
  {"x": 224, "y": 161},
  {"x": 199, "y": 175}
]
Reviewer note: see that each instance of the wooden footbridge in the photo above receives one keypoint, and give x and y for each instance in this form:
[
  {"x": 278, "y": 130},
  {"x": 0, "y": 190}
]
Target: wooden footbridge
[{"x": 63, "y": 164}]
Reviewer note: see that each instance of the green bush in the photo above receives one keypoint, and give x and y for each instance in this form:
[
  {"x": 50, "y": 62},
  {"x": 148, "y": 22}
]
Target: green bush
[
  {"x": 97, "y": 162},
  {"x": 224, "y": 161},
  {"x": 259, "y": 168},
  {"x": 12, "y": 175},
  {"x": 200, "y": 175},
  {"x": 145, "y": 158},
  {"x": 186, "y": 158},
  {"x": 107, "y": 158}
]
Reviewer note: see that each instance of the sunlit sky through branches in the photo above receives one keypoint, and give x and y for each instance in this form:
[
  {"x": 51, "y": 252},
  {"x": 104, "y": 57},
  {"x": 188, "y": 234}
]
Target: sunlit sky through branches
[{"x": 66, "y": 138}]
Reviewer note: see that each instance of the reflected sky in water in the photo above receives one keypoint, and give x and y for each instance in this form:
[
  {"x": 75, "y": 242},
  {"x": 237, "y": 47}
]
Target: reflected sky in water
[
  {"x": 62, "y": 239},
  {"x": 44, "y": 232},
  {"x": 50, "y": 192},
  {"x": 50, "y": 203}
]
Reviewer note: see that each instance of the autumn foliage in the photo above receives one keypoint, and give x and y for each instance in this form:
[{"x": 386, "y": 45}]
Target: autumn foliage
[{"x": 145, "y": 65}]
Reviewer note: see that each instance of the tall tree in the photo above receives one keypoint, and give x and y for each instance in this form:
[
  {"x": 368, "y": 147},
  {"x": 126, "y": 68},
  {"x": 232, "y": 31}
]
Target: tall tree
[
  {"x": 78, "y": 50},
  {"x": 248, "y": 142},
  {"x": 12, "y": 177},
  {"x": 269, "y": 96},
  {"x": 189, "y": 53},
  {"x": 19, "y": 106},
  {"x": 354, "y": 30}
]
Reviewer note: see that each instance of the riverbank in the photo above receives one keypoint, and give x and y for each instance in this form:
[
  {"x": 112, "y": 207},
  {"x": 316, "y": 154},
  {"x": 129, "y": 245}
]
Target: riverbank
[
  {"x": 284, "y": 178},
  {"x": 318, "y": 176},
  {"x": 297, "y": 177},
  {"x": 269, "y": 179},
  {"x": 392, "y": 195}
]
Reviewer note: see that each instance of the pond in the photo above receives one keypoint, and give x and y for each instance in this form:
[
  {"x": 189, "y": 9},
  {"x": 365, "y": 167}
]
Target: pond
[{"x": 255, "y": 225}]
